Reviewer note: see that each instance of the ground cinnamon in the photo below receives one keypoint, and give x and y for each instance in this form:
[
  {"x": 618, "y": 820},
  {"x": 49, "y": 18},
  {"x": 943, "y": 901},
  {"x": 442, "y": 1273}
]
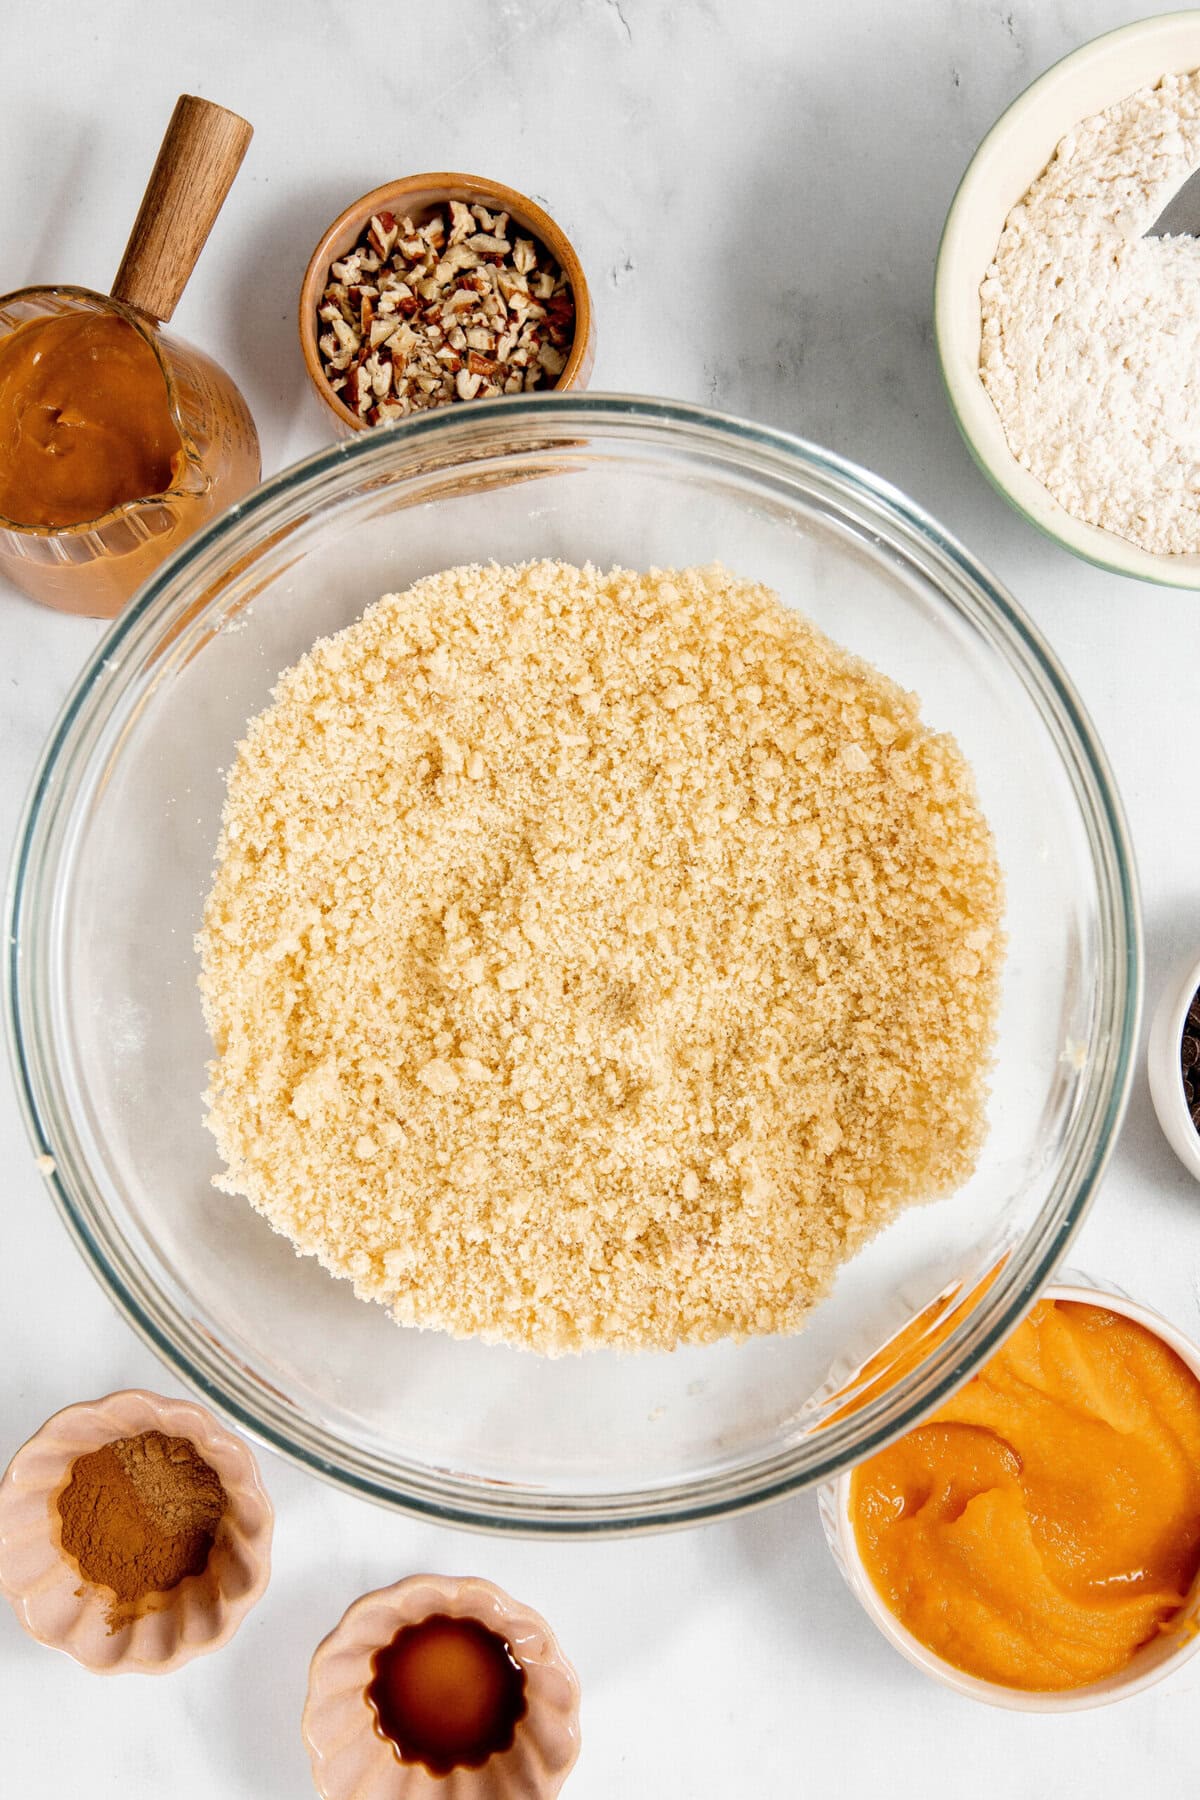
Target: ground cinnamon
[{"x": 140, "y": 1514}]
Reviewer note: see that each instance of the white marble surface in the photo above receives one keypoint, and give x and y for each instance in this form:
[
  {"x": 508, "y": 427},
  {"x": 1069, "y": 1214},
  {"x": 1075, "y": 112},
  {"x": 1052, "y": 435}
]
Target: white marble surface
[{"x": 756, "y": 187}]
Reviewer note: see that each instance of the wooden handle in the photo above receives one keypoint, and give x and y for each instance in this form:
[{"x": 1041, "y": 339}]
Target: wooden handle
[{"x": 197, "y": 161}]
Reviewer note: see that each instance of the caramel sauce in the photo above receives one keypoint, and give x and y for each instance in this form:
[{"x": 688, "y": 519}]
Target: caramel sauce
[
  {"x": 448, "y": 1693},
  {"x": 85, "y": 421}
]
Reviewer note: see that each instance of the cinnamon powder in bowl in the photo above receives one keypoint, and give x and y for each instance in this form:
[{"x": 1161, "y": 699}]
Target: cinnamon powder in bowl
[
  {"x": 139, "y": 1516},
  {"x": 134, "y": 1533}
]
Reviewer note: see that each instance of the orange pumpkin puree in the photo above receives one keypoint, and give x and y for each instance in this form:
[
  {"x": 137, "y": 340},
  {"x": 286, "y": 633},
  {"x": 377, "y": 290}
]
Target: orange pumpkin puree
[
  {"x": 1046, "y": 1523},
  {"x": 85, "y": 424}
]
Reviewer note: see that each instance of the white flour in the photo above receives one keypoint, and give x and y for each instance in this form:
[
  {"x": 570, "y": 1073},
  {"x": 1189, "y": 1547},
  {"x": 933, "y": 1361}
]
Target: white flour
[{"x": 1091, "y": 331}]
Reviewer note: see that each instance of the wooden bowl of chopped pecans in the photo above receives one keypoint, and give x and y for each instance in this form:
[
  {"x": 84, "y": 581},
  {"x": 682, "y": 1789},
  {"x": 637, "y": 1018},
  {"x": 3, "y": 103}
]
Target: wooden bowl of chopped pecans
[{"x": 438, "y": 289}]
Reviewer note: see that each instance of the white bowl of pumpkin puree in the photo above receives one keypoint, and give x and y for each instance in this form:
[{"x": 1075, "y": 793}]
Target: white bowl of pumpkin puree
[{"x": 1036, "y": 1543}]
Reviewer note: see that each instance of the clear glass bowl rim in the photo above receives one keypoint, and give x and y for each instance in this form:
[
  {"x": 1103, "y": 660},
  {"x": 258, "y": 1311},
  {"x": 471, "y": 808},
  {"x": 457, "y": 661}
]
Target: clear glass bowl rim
[{"x": 474, "y": 432}]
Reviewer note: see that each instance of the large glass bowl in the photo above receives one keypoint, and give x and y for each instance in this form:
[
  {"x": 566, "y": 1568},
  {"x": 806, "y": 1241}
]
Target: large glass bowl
[{"x": 110, "y": 1049}]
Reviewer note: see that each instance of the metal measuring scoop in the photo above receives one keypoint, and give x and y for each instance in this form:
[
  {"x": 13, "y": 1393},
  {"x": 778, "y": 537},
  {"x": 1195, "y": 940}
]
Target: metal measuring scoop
[{"x": 1180, "y": 217}]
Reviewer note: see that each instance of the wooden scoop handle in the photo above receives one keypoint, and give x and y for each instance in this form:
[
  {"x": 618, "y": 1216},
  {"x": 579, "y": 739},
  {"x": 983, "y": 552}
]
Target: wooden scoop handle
[{"x": 197, "y": 161}]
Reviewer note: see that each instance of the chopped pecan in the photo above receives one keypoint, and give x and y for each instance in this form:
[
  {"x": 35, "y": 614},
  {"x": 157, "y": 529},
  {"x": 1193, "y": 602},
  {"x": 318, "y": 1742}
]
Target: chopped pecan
[{"x": 458, "y": 307}]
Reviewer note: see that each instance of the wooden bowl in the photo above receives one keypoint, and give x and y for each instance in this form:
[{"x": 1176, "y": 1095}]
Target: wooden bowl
[{"x": 417, "y": 196}]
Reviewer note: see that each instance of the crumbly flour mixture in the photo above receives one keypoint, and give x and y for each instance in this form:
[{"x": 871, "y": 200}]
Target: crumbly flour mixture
[
  {"x": 1091, "y": 331},
  {"x": 595, "y": 958}
]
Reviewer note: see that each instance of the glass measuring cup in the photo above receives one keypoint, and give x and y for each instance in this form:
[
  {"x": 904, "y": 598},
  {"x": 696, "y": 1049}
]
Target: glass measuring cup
[{"x": 94, "y": 566}]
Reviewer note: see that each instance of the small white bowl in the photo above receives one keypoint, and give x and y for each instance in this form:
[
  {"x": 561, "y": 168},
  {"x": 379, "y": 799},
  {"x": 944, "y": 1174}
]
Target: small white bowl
[
  {"x": 1176, "y": 1642},
  {"x": 1165, "y": 1072},
  {"x": 1011, "y": 156}
]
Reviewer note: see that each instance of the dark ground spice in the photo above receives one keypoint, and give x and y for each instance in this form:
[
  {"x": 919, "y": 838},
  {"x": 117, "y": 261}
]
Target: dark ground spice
[
  {"x": 1189, "y": 1059},
  {"x": 140, "y": 1514}
]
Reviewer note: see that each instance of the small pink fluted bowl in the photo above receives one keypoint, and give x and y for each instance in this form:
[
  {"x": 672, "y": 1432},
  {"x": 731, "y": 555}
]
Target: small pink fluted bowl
[
  {"x": 60, "y": 1608},
  {"x": 352, "y": 1760}
]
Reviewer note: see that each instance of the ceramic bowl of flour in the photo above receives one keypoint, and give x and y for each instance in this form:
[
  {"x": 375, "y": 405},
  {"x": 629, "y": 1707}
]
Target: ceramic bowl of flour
[{"x": 1011, "y": 157}]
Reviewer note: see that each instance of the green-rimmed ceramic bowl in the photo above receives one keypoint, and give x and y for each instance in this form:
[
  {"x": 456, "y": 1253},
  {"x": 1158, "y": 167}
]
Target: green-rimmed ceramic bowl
[{"x": 1011, "y": 156}]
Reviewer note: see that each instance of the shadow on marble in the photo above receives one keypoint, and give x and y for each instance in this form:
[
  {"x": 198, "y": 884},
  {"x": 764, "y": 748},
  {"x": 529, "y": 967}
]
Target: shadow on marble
[
  {"x": 42, "y": 262},
  {"x": 1172, "y": 936},
  {"x": 263, "y": 1681},
  {"x": 783, "y": 1568},
  {"x": 833, "y": 337},
  {"x": 274, "y": 239}
]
